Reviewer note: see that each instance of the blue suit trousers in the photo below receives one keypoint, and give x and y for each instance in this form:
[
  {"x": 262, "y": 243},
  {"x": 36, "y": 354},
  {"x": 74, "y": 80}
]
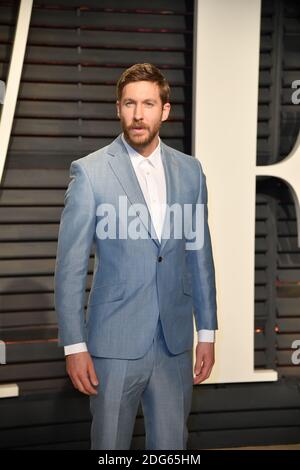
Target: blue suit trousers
[{"x": 160, "y": 380}]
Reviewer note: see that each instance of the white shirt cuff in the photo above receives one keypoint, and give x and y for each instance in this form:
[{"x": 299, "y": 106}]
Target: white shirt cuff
[
  {"x": 75, "y": 348},
  {"x": 206, "y": 336}
]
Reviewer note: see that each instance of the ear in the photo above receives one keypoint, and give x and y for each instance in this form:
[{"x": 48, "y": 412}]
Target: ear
[
  {"x": 118, "y": 108},
  {"x": 166, "y": 111}
]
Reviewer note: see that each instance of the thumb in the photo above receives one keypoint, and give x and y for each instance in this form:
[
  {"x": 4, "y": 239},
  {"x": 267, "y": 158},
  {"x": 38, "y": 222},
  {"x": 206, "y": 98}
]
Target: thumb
[
  {"x": 197, "y": 370},
  {"x": 198, "y": 366},
  {"x": 92, "y": 374}
]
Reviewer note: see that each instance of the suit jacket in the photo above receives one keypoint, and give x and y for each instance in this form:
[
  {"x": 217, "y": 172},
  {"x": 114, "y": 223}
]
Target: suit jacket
[{"x": 134, "y": 280}]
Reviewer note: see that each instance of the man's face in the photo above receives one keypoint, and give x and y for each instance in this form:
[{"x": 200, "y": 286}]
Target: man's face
[{"x": 141, "y": 112}]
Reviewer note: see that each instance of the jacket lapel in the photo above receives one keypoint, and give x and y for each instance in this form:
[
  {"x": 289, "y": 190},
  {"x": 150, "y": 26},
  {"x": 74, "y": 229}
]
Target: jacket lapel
[
  {"x": 172, "y": 187},
  {"x": 124, "y": 171}
]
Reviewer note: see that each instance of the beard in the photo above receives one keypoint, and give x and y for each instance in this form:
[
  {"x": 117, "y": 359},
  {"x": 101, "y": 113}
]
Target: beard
[{"x": 140, "y": 141}]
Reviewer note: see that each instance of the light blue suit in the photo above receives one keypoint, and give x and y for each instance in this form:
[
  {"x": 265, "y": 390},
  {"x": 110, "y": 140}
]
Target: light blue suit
[{"x": 135, "y": 282}]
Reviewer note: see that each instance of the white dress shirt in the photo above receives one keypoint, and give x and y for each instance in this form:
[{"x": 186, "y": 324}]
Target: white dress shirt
[{"x": 151, "y": 177}]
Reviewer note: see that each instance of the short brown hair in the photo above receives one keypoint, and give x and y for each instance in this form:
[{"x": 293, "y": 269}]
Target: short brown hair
[{"x": 147, "y": 72}]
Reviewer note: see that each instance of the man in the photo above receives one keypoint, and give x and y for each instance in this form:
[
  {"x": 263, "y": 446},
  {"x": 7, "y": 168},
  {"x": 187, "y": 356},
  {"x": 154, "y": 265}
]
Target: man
[{"x": 137, "y": 342}]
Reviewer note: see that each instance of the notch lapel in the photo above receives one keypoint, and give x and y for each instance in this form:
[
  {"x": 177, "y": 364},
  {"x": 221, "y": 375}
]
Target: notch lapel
[
  {"x": 172, "y": 187},
  {"x": 124, "y": 171}
]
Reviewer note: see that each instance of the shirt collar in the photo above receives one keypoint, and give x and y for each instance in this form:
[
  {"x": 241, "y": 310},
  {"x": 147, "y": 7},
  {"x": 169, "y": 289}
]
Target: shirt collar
[{"x": 137, "y": 158}]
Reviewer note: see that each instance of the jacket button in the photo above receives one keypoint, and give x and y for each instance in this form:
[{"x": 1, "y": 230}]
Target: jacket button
[{"x": 160, "y": 258}]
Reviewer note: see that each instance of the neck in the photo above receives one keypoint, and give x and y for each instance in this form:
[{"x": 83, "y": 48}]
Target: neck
[{"x": 147, "y": 149}]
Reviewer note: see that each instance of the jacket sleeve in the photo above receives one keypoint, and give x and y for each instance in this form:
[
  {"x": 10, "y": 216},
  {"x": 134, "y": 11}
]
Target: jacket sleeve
[
  {"x": 201, "y": 266},
  {"x": 75, "y": 238}
]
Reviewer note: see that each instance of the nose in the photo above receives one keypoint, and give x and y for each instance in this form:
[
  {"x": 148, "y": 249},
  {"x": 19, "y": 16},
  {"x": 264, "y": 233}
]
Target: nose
[{"x": 138, "y": 112}]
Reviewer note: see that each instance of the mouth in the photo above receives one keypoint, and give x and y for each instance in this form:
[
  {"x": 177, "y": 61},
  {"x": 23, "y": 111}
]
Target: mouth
[{"x": 139, "y": 130}]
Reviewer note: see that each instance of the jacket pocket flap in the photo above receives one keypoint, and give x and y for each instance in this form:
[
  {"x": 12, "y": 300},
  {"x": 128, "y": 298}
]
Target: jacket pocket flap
[{"x": 107, "y": 293}]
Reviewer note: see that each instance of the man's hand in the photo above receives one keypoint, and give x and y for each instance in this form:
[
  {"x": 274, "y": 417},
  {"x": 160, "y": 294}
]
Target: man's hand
[
  {"x": 205, "y": 359},
  {"x": 81, "y": 371}
]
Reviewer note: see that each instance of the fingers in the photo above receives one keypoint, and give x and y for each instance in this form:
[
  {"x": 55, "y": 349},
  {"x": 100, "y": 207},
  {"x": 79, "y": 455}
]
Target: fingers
[
  {"x": 202, "y": 376},
  {"x": 204, "y": 361},
  {"x": 79, "y": 385},
  {"x": 204, "y": 373},
  {"x": 81, "y": 371},
  {"x": 83, "y": 384}
]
